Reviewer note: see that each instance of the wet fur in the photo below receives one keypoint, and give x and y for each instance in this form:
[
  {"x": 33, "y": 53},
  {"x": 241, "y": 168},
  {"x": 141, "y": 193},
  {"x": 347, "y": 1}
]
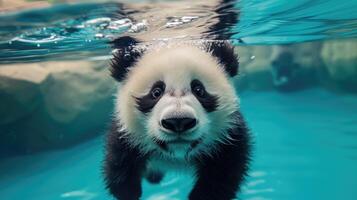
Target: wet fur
[
  {"x": 219, "y": 168},
  {"x": 218, "y": 176}
]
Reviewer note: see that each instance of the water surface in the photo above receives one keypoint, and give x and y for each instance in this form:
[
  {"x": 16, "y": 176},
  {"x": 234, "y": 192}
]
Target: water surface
[{"x": 82, "y": 31}]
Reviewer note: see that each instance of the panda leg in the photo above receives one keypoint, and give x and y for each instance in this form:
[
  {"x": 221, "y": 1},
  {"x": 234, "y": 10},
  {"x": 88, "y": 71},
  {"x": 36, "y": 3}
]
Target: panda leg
[
  {"x": 219, "y": 176},
  {"x": 124, "y": 167},
  {"x": 216, "y": 183}
]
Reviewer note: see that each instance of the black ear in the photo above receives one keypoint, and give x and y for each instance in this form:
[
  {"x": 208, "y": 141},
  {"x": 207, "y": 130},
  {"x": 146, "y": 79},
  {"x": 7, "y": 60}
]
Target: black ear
[
  {"x": 125, "y": 55},
  {"x": 224, "y": 52},
  {"x": 227, "y": 18}
]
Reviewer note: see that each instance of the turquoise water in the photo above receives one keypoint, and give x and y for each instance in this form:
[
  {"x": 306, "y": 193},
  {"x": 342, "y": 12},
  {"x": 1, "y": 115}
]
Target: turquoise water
[
  {"x": 305, "y": 141},
  {"x": 81, "y": 31},
  {"x": 306, "y": 148}
]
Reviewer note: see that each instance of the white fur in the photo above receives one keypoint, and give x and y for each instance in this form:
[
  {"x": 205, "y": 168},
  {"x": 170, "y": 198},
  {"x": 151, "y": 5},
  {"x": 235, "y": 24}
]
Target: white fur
[{"x": 177, "y": 66}]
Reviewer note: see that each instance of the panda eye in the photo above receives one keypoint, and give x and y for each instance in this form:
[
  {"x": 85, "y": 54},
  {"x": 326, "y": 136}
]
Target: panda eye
[
  {"x": 198, "y": 89},
  {"x": 156, "y": 93},
  {"x": 157, "y": 90}
]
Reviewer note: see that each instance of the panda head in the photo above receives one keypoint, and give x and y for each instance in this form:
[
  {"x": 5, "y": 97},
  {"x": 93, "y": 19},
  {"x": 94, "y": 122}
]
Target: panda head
[{"x": 175, "y": 99}]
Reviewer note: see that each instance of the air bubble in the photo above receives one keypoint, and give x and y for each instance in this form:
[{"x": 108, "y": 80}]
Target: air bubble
[
  {"x": 99, "y": 35},
  {"x": 126, "y": 56},
  {"x": 138, "y": 27}
]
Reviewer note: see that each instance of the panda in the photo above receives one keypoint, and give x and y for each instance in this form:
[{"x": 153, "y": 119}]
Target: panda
[{"x": 176, "y": 109}]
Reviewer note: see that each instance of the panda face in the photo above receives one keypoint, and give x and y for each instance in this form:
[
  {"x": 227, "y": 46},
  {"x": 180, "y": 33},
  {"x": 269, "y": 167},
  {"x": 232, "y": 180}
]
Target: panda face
[
  {"x": 177, "y": 115},
  {"x": 177, "y": 101}
]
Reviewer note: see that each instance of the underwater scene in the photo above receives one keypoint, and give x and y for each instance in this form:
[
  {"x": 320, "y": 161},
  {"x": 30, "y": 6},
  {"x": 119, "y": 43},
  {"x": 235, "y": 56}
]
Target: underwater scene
[{"x": 296, "y": 83}]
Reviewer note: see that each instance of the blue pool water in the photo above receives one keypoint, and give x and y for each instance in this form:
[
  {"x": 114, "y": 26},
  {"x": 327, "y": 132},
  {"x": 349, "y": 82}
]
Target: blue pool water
[
  {"x": 305, "y": 142},
  {"x": 80, "y": 31},
  {"x": 305, "y": 148}
]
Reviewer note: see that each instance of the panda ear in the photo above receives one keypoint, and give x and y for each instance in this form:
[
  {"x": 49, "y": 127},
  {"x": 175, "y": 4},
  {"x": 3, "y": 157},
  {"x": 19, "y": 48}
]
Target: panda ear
[
  {"x": 123, "y": 42},
  {"x": 125, "y": 55},
  {"x": 224, "y": 52}
]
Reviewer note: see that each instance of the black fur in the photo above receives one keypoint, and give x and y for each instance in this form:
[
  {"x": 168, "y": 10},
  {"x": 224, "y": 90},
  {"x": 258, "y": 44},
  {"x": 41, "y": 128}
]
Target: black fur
[
  {"x": 224, "y": 52},
  {"x": 124, "y": 166},
  {"x": 124, "y": 57},
  {"x": 228, "y": 17},
  {"x": 147, "y": 102},
  {"x": 219, "y": 176},
  {"x": 209, "y": 102}
]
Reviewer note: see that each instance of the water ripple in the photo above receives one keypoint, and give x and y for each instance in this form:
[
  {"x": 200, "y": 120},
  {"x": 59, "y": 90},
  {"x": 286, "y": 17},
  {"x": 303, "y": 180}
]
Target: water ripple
[{"x": 68, "y": 29}]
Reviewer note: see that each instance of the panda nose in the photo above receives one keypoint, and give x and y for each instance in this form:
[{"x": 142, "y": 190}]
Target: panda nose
[{"x": 179, "y": 125}]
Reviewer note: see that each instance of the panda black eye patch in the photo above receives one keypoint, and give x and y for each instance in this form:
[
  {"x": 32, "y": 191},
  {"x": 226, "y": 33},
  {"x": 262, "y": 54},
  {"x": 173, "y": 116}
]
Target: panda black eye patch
[
  {"x": 207, "y": 100},
  {"x": 148, "y": 101}
]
